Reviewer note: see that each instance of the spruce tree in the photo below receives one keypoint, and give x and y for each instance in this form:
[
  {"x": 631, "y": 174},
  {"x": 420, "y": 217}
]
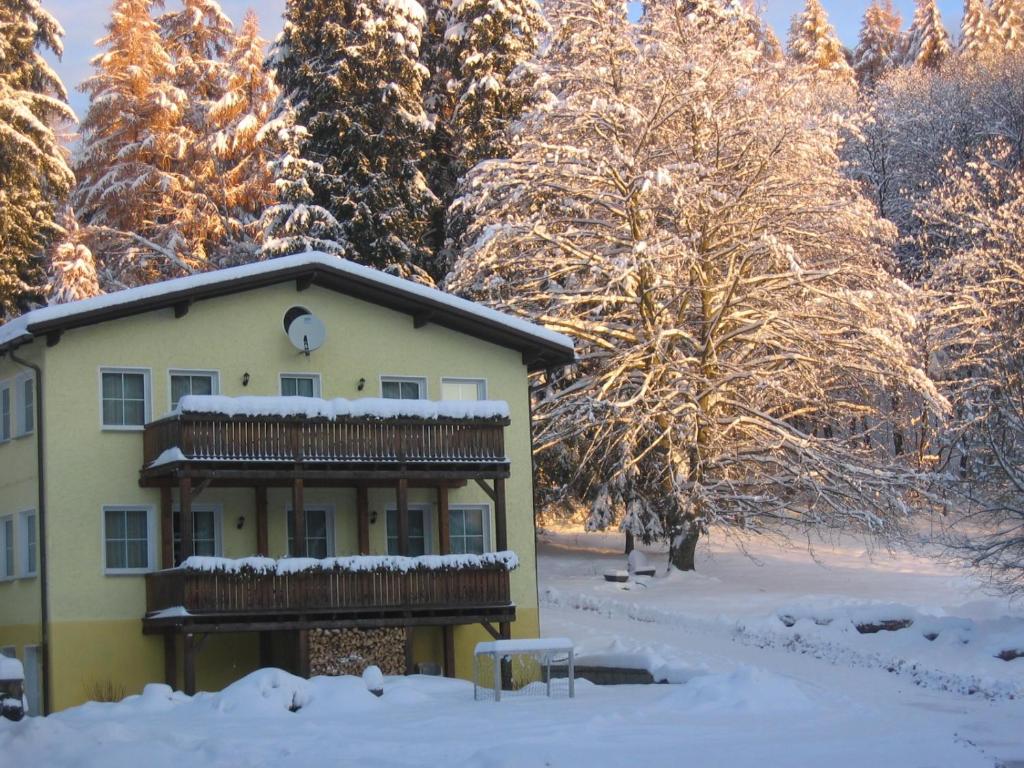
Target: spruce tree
[
  {"x": 72, "y": 269},
  {"x": 813, "y": 42},
  {"x": 928, "y": 42},
  {"x": 975, "y": 28},
  {"x": 244, "y": 185},
  {"x": 34, "y": 174},
  {"x": 351, "y": 74},
  {"x": 130, "y": 189},
  {"x": 879, "y": 45},
  {"x": 1008, "y": 24}
]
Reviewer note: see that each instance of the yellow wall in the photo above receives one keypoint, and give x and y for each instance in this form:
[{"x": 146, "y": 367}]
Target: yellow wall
[{"x": 97, "y": 616}]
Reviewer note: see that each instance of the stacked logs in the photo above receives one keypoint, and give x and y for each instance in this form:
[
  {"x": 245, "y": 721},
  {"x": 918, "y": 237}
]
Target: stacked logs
[{"x": 350, "y": 651}]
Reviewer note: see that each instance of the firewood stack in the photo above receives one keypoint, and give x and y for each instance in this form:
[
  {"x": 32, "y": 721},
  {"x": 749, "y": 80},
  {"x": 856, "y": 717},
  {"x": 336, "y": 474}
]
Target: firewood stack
[{"x": 350, "y": 651}]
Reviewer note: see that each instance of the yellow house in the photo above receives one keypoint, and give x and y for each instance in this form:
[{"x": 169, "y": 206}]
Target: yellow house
[{"x": 216, "y": 415}]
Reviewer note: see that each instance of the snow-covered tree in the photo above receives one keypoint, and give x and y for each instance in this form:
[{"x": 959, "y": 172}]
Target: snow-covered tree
[
  {"x": 879, "y": 46},
  {"x": 975, "y": 29},
  {"x": 350, "y": 74},
  {"x": 1008, "y": 24},
  {"x": 72, "y": 269},
  {"x": 34, "y": 174},
  {"x": 679, "y": 208},
  {"x": 813, "y": 42},
  {"x": 928, "y": 44},
  {"x": 244, "y": 186},
  {"x": 130, "y": 189}
]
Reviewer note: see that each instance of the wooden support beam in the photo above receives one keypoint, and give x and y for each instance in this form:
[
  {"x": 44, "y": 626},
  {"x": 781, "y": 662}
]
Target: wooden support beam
[
  {"x": 448, "y": 640},
  {"x": 170, "y": 660},
  {"x": 491, "y": 630},
  {"x": 409, "y": 665},
  {"x": 266, "y": 649},
  {"x": 181, "y": 308},
  {"x": 422, "y": 477},
  {"x": 500, "y": 521},
  {"x": 262, "y": 531},
  {"x": 402, "y": 494},
  {"x": 505, "y": 630},
  {"x": 166, "y": 528},
  {"x": 185, "y": 506},
  {"x": 203, "y": 485},
  {"x": 443, "y": 522},
  {"x": 299, "y": 517},
  {"x": 363, "y": 519},
  {"x": 189, "y": 662},
  {"x": 487, "y": 489},
  {"x": 303, "y": 652}
]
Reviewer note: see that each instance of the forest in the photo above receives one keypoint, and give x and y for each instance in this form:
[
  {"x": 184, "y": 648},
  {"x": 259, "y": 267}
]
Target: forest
[{"x": 794, "y": 271}]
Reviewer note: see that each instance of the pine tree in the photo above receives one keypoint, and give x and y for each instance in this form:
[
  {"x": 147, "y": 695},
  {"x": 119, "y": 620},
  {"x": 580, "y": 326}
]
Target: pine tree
[
  {"x": 878, "y": 48},
  {"x": 34, "y": 174},
  {"x": 1008, "y": 24},
  {"x": 72, "y": 269},
  {"x": 928, "y": 43},
  {"x": 130, "y": 189},
  {"x": 813, "y": 42},
  {"x": 243, "y": 186},
  {"x": 351, "y": 74},
  {"x": 975, "y": 28}
]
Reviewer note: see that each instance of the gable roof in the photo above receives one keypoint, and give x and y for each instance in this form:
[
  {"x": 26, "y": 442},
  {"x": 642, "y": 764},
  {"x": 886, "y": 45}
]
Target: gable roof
[{"x": 540, "y": 347}]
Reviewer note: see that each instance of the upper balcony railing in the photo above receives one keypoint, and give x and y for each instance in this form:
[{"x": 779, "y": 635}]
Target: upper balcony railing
[{"x": 213, "y": 437}]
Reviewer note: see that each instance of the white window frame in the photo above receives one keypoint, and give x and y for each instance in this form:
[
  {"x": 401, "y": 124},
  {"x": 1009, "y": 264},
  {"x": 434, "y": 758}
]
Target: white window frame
[
  {"x": 218, "y": 524},
  {"x": 147, "y": 393},
  {"x": 328, "y": 510},
  {"x": 421, "y": 380},
  {"x": 8, "y": 421},
  {"x": 20, "y": 429},
  {"x": 172, "y": 372},
  {"x": 487, "y": 512},
  {"x": 8, "y": 570},
  {"x": 317, "y": 383},
  {"x": 23, "y": 544},
  {"x": 429, "y": 523},
  {"x": 480, "y": 382},
  {"x": 151, "y": 529}
]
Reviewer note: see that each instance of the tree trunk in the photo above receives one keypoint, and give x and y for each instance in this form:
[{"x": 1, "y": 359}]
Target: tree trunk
[
  {"x": 629, "y": 542},
  {"x": 684, "y": 549}
]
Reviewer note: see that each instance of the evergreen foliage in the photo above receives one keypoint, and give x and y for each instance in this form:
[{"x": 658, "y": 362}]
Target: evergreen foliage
[
  {"x": 928, "y": 44},
  {"x": 813, "y": 42},
  {"x": 879, "y": 46}
]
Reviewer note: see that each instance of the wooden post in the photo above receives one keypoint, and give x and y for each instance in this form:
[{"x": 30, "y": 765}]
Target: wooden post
[
  {"x": 363, "y": 519},
  {"x": 166, "y": 529},
  {"x": 409, "y": 668},
  {"x": 266, "y": 650},
  {"x": 262, "y": 535},
  {"x": 185, "y": 502},
  {"x": 403, "y": 517},
  {"x": 170, "y": 658},
  {"x": 500, "y": 522},
  {"x": 303, "y": 650},
  {"x": 448, "y": 640},
  {"x": 505, "y": 630},
  {"x": 189, "y": 663},
  {"x": 299, "y": 516},
  {"x": 443, "y": 523}
]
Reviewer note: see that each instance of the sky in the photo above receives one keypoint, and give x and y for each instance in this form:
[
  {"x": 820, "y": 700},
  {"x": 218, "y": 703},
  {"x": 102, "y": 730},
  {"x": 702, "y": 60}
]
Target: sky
[{"x": 84, "y": 20}]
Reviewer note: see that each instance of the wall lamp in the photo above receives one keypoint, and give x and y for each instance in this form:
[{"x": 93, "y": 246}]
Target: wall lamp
[
  {"x": 241, "y": 522},
  {"x": 361, "y": 384},
  {"x": 245, "y": 379}
]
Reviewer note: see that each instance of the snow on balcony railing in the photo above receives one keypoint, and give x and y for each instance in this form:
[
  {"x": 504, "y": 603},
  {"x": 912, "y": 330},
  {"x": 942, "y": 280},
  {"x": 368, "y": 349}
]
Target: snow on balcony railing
[
  {"x": 340, "y": 408},
  {"x": 506, "y": 560}
]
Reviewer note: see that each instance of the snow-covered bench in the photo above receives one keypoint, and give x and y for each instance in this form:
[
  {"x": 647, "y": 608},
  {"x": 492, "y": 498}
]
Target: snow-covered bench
[{"x": 543, "y": 649}]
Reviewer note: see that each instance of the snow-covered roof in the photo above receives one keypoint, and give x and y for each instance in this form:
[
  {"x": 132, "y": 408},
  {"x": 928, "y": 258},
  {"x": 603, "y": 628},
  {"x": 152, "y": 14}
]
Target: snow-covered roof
[
  {"x": 340, "y": 408},
  {"x": 540, "y": 346}
]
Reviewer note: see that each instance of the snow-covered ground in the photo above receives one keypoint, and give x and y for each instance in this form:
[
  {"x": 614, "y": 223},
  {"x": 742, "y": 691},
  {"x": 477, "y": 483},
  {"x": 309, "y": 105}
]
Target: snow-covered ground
[{"x": 750, "y": 688}]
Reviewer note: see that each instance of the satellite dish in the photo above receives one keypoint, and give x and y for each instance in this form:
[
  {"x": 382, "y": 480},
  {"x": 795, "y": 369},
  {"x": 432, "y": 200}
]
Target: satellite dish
[{"x": 305, "y": 330}]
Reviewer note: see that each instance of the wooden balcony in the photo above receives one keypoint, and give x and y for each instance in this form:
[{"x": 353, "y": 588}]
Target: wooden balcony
[
  {"x": 248, "y": 440},
  {"x": 249, "y": 600}
]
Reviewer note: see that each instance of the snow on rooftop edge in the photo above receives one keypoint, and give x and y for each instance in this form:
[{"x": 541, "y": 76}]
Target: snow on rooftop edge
[
  {"x": 352, "y": 564},
  {"x": 18, "y": 328},
  {"x": 364, "y": 407}
]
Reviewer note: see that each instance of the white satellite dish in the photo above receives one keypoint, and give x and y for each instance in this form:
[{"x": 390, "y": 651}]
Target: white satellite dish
[{"x": 306, "y": 333}]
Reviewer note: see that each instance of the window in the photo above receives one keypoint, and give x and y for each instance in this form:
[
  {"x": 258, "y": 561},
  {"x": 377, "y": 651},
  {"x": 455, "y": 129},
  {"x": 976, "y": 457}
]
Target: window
[
  {"x": 27, "y": 525},
  {"x": 463, "y": 389},
  {"x": 26, "y": 406},
  {"x": 300, "y": 384},
  {"x": 7, "y": 547},
  {"x": 192, "y": 383},
  {"x": 125, "y": 397},
  {"x": 319, "y": 533},
  {"x": 468, "y": 530},
  {"x": 6, "y": 408},
  {"x": 128, "y": 539},
  {"x": 419, "y": 529},
  {"x": 403, "y": 388},
  {"x": 206, "y": 532}
]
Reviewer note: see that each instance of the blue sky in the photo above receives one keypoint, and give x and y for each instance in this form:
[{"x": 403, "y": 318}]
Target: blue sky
[{"x": 84, "y": 20}]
